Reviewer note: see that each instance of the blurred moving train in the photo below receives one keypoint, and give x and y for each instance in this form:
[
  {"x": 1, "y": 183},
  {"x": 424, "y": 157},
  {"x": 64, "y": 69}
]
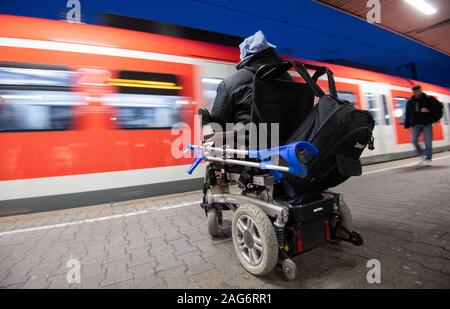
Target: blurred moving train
[{"x": 86, "y": 111}]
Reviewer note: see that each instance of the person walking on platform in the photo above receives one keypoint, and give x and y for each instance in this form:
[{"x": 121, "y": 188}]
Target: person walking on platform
[{"x": 422, "y": 111}]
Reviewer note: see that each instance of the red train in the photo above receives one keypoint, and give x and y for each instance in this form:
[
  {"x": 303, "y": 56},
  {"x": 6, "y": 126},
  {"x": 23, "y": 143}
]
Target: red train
[{"x": 86, "y": 111}]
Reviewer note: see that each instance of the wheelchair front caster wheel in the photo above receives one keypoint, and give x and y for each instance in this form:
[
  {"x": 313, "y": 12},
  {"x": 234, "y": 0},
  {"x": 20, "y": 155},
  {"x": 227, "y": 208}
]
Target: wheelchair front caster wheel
[
  {"x": 214, "y": 219},
  {"x": 289, "y": 269},
  {"x": 356, "y": 239}
]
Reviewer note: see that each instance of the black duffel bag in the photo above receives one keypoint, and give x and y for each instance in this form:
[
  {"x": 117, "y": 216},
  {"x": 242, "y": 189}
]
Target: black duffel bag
[{"x": 339, "y": 130}]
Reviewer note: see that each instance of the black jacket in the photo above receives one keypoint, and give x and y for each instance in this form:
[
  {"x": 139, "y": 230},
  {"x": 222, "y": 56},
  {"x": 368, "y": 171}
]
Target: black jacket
[
  {"x": 413, "y": 114},
  {"x": 234, "y": 94}
]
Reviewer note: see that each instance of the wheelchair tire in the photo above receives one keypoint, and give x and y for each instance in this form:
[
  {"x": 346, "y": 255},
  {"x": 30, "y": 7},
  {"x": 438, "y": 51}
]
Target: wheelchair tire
[
  {"x": 214, "y": 221},
  {"x": 345, "y": 216},
  {"x": 254, "y": 240},
  {"x": 289, "y": 269}
]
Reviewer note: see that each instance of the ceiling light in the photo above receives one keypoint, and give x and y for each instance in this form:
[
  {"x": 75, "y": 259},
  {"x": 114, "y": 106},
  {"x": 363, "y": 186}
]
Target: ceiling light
[
  {"x": 211, "y": 80},
  {"x": 422, "y": 6}
]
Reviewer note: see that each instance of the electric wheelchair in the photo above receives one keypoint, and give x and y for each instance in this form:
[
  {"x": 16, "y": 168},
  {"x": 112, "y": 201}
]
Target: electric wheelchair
[{"x": 271, "y": 220}]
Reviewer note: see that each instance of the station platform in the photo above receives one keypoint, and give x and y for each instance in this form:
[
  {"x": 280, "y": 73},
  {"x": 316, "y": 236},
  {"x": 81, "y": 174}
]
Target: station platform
[{"x": 402, "y": 212}]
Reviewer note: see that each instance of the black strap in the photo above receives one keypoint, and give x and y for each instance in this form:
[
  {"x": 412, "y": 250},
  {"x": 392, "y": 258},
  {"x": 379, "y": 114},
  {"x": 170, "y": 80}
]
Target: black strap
[
  {"x": 312, "y": 81},
  {"x": 255, "y": 108},
  {"x": 300, "y": 67},
  {"x": 317, "y": 75},
  {"x": 331, "y": 83}
]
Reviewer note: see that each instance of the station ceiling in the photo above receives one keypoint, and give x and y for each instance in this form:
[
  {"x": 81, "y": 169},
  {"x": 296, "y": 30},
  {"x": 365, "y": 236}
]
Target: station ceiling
[{"x": 403, "y": 18}]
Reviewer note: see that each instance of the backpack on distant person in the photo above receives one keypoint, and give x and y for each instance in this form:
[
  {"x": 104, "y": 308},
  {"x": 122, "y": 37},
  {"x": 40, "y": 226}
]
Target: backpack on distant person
[{"x": 438, "y": 109}]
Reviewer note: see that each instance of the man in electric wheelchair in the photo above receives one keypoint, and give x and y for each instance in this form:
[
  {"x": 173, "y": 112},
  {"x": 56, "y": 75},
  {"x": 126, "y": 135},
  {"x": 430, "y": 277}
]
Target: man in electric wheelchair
[{"x": 282, "y": 207}]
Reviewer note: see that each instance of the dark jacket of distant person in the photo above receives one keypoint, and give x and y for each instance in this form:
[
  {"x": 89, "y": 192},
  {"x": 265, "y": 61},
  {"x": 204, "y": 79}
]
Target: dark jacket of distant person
[
  {"x": 415, "y": 116},
  {"x": 234, "y": 94}
]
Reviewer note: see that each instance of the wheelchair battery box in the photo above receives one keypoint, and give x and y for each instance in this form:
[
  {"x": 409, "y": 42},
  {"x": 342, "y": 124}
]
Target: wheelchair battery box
[
  {"x": 306, "y": 236},
  {"x": 313, "y": 210}
]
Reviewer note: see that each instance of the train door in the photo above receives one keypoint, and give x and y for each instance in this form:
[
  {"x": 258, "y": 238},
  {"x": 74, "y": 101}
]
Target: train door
[{"x": 375, "y": 98}]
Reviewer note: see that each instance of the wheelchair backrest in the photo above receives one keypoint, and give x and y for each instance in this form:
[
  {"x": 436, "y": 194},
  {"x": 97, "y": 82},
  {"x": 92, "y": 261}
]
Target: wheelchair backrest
[{"x": 277, "y": 98}]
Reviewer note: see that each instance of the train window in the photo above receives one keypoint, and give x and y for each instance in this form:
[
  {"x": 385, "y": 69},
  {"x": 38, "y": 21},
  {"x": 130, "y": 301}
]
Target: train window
[
  {"x": 36, "y": 98},
  {"x": 146, "y": 100},
  {"x": 135, "y": 111},
  {"x": 36, "y": 110},
  {"x": 372, "y": 106},
  {"x": 347, "y": 96},
  {"x": 400, "y": 109},
  {"x": 27, "y": 76},
  {"x": 387, "y": 116},
  {"x": 209, "y": 86}
]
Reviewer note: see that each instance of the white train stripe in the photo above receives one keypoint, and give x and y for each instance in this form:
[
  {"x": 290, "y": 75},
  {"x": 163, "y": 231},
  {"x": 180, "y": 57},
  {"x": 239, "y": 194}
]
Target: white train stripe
[
  {"x": 100, "y": 50},
  {"x": 138, "y": 54},
  {"x": 93, "y": 220},
  {"x": 47, "y": 186}
]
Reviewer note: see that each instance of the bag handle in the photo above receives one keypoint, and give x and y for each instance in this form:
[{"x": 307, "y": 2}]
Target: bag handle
[{"x": 311, "y": 81}]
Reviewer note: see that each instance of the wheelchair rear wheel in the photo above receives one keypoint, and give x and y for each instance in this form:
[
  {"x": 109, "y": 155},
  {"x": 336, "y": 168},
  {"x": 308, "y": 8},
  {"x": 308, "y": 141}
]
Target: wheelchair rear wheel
[{"x": 254, "y": 240}]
